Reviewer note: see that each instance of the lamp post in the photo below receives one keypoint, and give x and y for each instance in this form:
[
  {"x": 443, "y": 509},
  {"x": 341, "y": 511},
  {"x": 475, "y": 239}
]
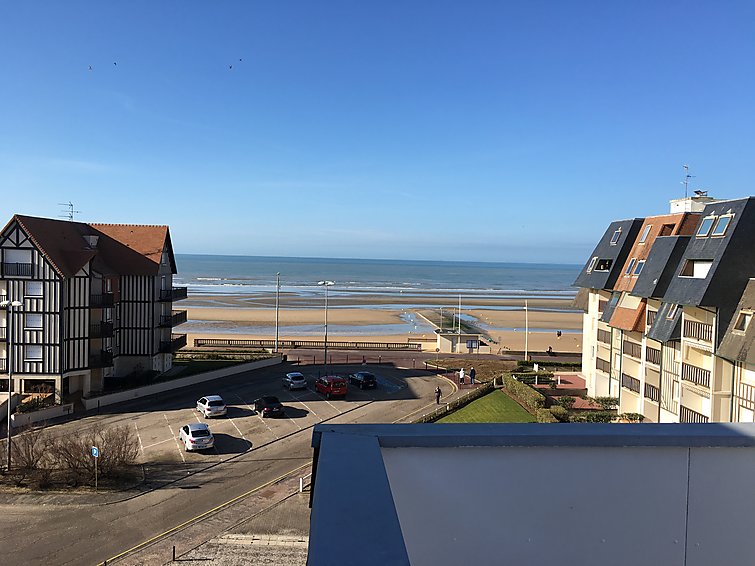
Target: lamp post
[
  {"x": 8, "y": 306},
  {"x": 326, "y": 284},
  {"x": 277, "y": 302},
  {"x": 526, "y": 330}
]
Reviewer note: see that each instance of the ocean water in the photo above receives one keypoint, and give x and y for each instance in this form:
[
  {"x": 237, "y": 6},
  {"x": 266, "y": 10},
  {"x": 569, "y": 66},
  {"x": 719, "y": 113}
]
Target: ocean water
[{"x": 252, "y": 275}]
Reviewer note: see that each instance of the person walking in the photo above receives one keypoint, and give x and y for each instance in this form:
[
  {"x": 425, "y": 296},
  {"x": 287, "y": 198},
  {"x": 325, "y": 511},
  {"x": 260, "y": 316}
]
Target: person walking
[
  {"x": 437, "y": 395},
  {"x": 461, "y": 376},
  {"x": 472, "y": 374}
]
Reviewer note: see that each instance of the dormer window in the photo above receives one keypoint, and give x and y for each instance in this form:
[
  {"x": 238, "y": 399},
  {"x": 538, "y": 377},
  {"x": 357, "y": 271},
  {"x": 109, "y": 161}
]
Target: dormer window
[
  {"x": 615, "y": 237},
  {"x": 630, "y": 266},
  {"x": 645, "y": 233},
  {"x": 592, "y": 264},
  {"x": 604, "y": 265},
  {"x": 696, "y": 268},
  {"x": 672, "y": 311},
  {"x": 705, "y": 226},
  {"x": 638, "y": 268},
  {"x": 722, "y": 225},
  {"x": 743, "y": 321}
]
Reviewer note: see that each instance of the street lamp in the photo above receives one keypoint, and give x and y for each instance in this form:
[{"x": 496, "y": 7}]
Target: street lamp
[
  {"x": 277, "y": 301},
  {"x": 8, "y": 306},
  {"x": 326, "y": 284}
]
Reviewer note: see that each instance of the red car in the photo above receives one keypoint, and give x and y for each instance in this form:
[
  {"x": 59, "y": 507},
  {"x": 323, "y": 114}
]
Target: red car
[{"x": 331, "y": 385}]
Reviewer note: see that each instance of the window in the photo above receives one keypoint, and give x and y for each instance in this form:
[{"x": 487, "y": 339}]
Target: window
[
  {"x": 17, "y": 256},
  {"x": 615, "y": 237},
  {"x": 705, "y": 226},
  {"x": 33, "y": 288},
  {"x": 722, "y": 225},
  {"x": 743, "y": 320},
  {"x": 630, "y": 301},
  {"x": 667, "y": 230},
  {"x": 604, "y": 265},
  {"x": 645, "y": 233},
  {"x": 672, "y": 311},
  {"x": 592, "y": 264},
  {"x": 33, "y": 353},
  {"x": 32, "y": 321},
  {"x": 696, "y": 268},
  {"x": 630, "y": 266},
  {"x": 638, "y": 268}
]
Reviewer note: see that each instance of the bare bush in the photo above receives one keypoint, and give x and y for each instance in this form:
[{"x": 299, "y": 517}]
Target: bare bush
[{"x": 28, "y": 452}]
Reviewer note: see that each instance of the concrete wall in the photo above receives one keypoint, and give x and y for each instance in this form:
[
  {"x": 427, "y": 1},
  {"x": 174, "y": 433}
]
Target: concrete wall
[
  {"x": 121, "y": 396},
  {"x": 24, "y": 419}
]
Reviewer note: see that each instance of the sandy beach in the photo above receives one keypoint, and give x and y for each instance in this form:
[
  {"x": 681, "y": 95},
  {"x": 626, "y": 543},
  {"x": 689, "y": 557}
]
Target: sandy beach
[{"x": 378, "y": 318}]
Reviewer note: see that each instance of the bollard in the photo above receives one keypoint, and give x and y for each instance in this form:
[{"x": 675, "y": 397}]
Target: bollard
[
  {"x": 380, "y": 360},
  {"x": 414, "y": 363},
  {"x": 98, "y": 406},
  {"x": 347, "y": 359},
  {"x": 174, "y": 553},
  {"x": 313, "y": 360},
  {"x": 301, "y": 485},
  {"x": 297, "y": 360}
]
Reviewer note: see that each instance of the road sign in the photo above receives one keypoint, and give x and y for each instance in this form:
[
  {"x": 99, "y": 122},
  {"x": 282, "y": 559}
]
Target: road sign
[{"x": 95, "y": 452}]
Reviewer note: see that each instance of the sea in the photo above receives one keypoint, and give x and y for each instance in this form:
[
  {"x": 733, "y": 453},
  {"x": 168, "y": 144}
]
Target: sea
[{"x": 216, "y": 278}]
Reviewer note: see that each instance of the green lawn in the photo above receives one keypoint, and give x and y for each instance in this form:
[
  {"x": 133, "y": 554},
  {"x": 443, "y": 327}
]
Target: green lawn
[{"x": 496, "y": 407}]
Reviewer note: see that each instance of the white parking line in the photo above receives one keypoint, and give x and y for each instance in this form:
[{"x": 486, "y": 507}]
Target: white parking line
[
  {"x": 156, "y": 443},
  {"x": 237, "y": 428},
  {"x": 139, "y": 437},
  {"x": 258, "y": 416},
  {"x": 298, "y": 400},
  {"x": 178, "y": 444},
  {"x": 324, "y": 398}
]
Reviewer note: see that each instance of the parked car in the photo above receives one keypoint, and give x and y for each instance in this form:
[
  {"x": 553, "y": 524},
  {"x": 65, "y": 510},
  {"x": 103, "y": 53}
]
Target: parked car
[
  {"x": 196, "y": 436},
  {"x": 331, "y": 386},
  {"x": 212, "y": 406},
  {"x": 364, "y": 379},
  {"x": 269, "y": 406},
  {"x": 295, "y": 380}
]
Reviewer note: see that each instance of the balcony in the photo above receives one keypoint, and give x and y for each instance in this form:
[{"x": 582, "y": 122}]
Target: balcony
[
  {"x": 631, "y": 383},
  {"x": 171, "y": 320},
  {"x": 632, "y": 349},
  {"x": 17, "y": 269},
  {"x": 687, "y": 415},
  {"x": 604, "y": 336},
  {"x": 102, "y": 360},
  {"x": 176, "y": 342},
  {"x": 104, "y": 300},
  {"x": 101, "y": 330},
  {"x": 3, "y": 333},
  {"x": 4, "y": 367},
  {"x": 698, "y": 330},
  {"x": 174, "y": 294},
  {"x": 652, "y": 392},
  {"x": 653, "y": 355},
  {"x": 602, "y": 365},
  {"x": 696, "y": 375},
  {"x": 651, "y": 317}
]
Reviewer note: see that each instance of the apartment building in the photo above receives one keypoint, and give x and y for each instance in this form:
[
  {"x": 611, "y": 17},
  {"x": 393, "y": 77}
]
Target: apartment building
[
  {"x": 96, "y": 304},
  {"x": 652, "y": 329}
]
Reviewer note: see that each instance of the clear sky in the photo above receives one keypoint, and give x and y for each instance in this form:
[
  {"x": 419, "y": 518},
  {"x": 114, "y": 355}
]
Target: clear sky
[{"x": 479, "y": 130}]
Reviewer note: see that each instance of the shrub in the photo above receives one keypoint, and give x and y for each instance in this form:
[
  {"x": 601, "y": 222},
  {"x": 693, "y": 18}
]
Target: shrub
[
  {"x": 566, "y": 402},
  {"x": 545, "y": 416},
  {"x": 599, "y": 416},
  {"x": 606, "y": 403},
  {"x": 526, "y": 395},
  {"x": 633, "y": 417},
  {"x": 560, "y": 413}
]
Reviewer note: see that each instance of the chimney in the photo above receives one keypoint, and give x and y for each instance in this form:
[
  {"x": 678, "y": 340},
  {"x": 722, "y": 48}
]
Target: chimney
[{"x": 690, "y": 204}]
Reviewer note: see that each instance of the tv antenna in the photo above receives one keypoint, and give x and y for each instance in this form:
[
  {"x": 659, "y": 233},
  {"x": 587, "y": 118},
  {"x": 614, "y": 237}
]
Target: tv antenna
[
  {"x": 687, "y": 177},
  {"x": 69, "y": 210}
]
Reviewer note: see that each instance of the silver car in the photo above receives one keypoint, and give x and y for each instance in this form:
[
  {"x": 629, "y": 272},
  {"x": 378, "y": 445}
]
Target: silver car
[
  {"x": 212, "y": 406},
  {"x": 295, "y": 380},
  {"x": 196, "y": 436}
]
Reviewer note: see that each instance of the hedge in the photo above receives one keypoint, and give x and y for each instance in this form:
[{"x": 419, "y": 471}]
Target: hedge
[
  {"x": 559, "y": 413},
  {"x": 549, "y": 363},
  {"x": 545, "y": 416},
  {"x": 531, "y": 399},
  {"x": 543, "y": 377},
  {"x": 444, "y": 409}
]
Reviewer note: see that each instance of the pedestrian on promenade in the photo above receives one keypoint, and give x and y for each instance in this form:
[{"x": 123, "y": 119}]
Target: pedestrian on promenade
[
  {"x": 461, "y": 376},
  {"x": 472, "y": 374},
  {"x": 437, "y": 395}
]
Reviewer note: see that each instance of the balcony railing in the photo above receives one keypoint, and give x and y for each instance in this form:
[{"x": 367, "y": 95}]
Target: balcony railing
[
  {"x": 171, "y": 320},
  {"x": 651, "y": 317},
  {"x": 3, "y": 333},
  {"x": 174, "y": 294},
  {"x": 604, "y": 336},
  {"x": 4, "y": 367},
  {"x": 632, "y": 349},
  {"x": 101, "y": 330},
  {"x": 746, "y": 394},
  {"x": 602, "y": 365},
  {"x": 696, "y": 375},
  {"x": 602, "y": 306},
  {"x": 652, "y": 392},
  {"x": 17, "y": 269},
  {"x": 176, "y": 342},
  {"x": 102, "y": 360},
  {"x": 653, "y": 355},
  {"x": 103, "y": 300},
  {"x": 631, "y": 383},
  {"x": 698, "y": 330},
  {"x": 689, "y": 416}
]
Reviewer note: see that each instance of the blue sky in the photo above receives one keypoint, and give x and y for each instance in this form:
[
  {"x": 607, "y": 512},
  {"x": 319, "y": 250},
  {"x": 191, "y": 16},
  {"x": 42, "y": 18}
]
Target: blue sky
[{"x": 486, "y": 131}]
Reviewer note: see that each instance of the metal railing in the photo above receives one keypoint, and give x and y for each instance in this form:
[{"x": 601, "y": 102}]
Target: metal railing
[
  {"x": 696, "y": 375},
  {"x": 308, "y": 344},
  {"x": 687, "y": 415},
  {"x": 101, "y": 330},
  {"x": 602, "y": 365},
  {"x": 174, "y": 319},
  {"x": 652, "y": 392},
  {"x": 174, "y": 294},
  {"x": 3, "y": 333},
  {"x": 17, "y": 269},
  {"x": 102, "y": 300},
  {"x": 651, "y": 317},
  {"x": 698, "y": 330},
  {"x": 102, "y": 360},
  {"x": 653, "y": 355},
  {"x": 176, "y": 342},
  {"x": 631, "y": 383},
  {"x": 632, "y": 349},
  {"x": 604, "y": 336}
]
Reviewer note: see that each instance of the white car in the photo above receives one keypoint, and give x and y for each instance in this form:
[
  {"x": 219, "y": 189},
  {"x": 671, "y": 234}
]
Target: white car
[
  {"x": 295, "y": 380},
  {"x": 196, "y": 436},
  {"x": 212, "y": 406}
]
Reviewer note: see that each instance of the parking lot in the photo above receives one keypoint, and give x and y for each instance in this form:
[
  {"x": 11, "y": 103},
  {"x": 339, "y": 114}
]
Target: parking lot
[{"x": 157, "y": 420}]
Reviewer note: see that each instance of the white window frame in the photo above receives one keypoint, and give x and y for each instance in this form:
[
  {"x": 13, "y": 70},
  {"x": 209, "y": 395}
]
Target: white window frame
[
  {"x": 700, "y": 268},
  {"x": 746, "y": 318},
  {"x": 32, "y": 349},
  {"x": 592, "y": 263},
  {"x": 700, "y": 233},
  {"x": 638, "y": 267},
  {"x": 645, "y": 233},
  {"x": 714, "y": 233},
  {"x": 631, "y": 266},
  {"x": 672, "y": 311},
  {"x": 615, "y": 237}
]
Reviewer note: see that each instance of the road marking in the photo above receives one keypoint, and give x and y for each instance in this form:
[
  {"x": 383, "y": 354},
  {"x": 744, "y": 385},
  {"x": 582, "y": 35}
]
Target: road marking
[
  {"x": 178, "y": 444},
  {"x": 139, "y": 437},
  {"x": 259, "y": 417},
  {"x": 202, "y": 515},
  {"x": 156, "y": 443},
  {"x": 237, "y": 428},
  {"x": 298, "y": 400},
  {"x": 324, "y": 398}
]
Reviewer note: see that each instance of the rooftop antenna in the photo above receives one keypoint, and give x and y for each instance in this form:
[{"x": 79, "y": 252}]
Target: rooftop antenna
[
  {"x": 69, "y": 212},
  {"x": 687, "y": 177}
]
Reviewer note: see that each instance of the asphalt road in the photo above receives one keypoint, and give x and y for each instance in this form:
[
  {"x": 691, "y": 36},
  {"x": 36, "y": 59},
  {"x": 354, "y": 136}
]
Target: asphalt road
[{"x": 250, "y": 452}]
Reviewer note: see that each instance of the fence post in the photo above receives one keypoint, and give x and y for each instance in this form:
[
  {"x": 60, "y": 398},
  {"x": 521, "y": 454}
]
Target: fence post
[
  {"x": 414, "y": 363},
  {"x": 347, "y": 359},
  {"x": 380, "y": 360},
  {"x": 174, "y": 553}
]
